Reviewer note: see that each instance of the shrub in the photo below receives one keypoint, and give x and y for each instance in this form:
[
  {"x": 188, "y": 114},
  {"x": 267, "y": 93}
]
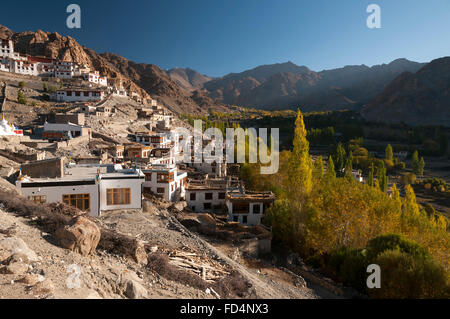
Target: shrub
[
  {"x": 380, "y": 244},
  {"x": 21, "y": 84},
  {"x": 407, "y": 276},
  {"x": 408, "y": 178},
  {"x": 21, "y": 98},
  {"x": 350, "y": 266}
]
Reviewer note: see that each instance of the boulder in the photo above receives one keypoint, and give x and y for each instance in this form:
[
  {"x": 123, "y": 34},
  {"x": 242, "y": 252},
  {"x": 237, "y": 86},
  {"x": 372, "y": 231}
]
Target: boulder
[
  {"x": 31, "y": 279},
  {"x": 13, "y": 245},
  {"x": 44, "y": 287},
  {"x": 81, "y": 236},
  {"x": 15, "y": 268},
  {"x": 135, "y": 290},
  {"x": 130, "y": 285}
]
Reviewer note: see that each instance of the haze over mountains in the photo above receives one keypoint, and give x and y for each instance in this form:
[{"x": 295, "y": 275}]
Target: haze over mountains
[{"x": 286, "y": 85}]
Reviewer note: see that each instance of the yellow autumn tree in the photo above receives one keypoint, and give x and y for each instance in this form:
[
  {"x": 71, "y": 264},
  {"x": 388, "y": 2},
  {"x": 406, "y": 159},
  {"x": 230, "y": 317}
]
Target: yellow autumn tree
[{"x": 300, "y": 170}]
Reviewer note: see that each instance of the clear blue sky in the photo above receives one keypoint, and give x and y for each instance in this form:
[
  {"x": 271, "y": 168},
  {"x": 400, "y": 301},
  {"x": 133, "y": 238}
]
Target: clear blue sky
[{"x": 217, "y": 37}]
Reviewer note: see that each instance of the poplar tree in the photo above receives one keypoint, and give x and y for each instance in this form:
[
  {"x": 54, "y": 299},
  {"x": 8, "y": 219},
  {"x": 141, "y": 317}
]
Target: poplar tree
[
  {"x": 318, "y": 167},
  {"x": 371, "y": 175},
  {"x": 389, "y": 153},
  {"x": 349, "y": 166},
  {"x": 331, "y": 173},
  {"x": 421, "y": 166},
  {"x": 415, "y": 162},
  {"x": 300, "y": 179},
  {"x": 340, "y": 158}
]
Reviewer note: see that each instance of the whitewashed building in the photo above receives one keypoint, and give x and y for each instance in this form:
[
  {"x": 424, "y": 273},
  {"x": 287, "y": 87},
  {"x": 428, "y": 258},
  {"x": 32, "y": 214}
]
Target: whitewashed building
[
  {"x": 75, "y": 130},
  {"x": 166, "y": 181},
  {"x": 78, "y": 95},
  {"x": 91, "y": 188},
  {"x": 207, "y": 196},
  {"x": 248, "y": 208}
]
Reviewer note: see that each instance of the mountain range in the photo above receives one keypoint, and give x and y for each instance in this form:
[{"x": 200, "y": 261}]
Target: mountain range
[
  {"x": 418, "y": 98},
  {"x": 286, "y": 85},
  {"x": 401, "y": 90}
]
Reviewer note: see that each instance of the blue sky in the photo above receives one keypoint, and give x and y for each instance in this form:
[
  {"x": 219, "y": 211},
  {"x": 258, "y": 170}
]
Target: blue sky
[{"x": 217, "y": 37}]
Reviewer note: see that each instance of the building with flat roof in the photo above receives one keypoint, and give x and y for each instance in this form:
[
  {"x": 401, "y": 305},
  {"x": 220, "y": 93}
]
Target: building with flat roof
[
  {"x": 78, "y": 95},
  {"x": 247, "y": 207},
  {"x": 90, "y": 188},
  {"x": 165, "y": 181}
]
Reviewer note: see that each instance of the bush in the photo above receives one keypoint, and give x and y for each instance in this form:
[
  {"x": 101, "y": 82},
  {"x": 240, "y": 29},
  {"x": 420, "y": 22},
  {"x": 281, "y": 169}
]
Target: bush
[
  {"x": 380, "y": 244},
  {"x": 350, "y": 267},
  {"x": 21, "y": 98},
  {"x": 408, "y": 178},
  {"x": 21, "y": 84},
  {"x": 407, "y": 276}
]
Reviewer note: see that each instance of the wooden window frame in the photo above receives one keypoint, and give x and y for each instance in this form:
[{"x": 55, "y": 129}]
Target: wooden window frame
[
  {"x": 118, "y": 196},
  {"x": 80, "y": 201}
]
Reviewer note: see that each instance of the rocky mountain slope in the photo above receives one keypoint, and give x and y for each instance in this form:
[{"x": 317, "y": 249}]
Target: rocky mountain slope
[
  {"x": 287, "y": 85},
  {"x": 415, "y": 98},
  {"x": 188, "y": 79},
  {"x": 160, "y": 86}
]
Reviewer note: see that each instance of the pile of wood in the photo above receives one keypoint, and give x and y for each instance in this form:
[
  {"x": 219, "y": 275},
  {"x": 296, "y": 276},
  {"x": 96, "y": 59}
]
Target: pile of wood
[{"x": 209, "y": 270}]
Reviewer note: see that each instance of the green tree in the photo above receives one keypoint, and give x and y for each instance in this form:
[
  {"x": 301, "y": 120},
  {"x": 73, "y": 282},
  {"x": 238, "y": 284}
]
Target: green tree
[
  {"x": 318, "y": 167},
  {"x": 331, "y": 173},
  {"x": 340, "y": 157},
  {"x": 421, "y": 166},
  {"x": 370, "y": 181},
  {"x": 382, "y": 177},
  {"x": 44, "y": 86},
  {"x": 415, "y": 162},
  {"x": 389, "y": 153},
  {"x": 349, "y": 167}
]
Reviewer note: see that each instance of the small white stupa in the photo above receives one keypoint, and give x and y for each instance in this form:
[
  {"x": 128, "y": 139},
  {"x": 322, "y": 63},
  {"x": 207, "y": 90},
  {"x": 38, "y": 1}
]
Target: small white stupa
[{"x": 7, "y": 129}]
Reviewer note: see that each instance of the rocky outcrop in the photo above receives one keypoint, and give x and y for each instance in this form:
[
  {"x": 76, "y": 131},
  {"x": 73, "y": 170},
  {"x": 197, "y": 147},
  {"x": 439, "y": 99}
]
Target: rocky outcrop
[
  {"x": 14, "y": 248},
  {"x": 82, "y": 236},
  {"x": 188, "y": 79},
  {"x": 161, "y": 86}
]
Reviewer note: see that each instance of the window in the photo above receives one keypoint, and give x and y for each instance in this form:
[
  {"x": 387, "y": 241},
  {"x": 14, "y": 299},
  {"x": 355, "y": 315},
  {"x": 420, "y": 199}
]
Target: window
[
  {"x": 85, "y": 93},
  {"x": 39, "y": 199},
  {"x": 80, "y": 201},
  {"x": 256, "y": 209},
  {"x": 221, "y": 195},
  {"x": 118, "y": 196},
  {"x": 148, "y": 177},
  {"x": 77, "y": 93},
  {"x": 160, "y": 190},
  {"x": 235, "y": 218},
  {"x": 244, "y": 219},
  {"x": 193, "y": 196},
  {"x": 208, "y": 196},
  {"x": 69, "y": 93},
  {"x": 207, "y": 205},
  {"x": 240, "y": 208},
  {"x": 163, "y": 177}
]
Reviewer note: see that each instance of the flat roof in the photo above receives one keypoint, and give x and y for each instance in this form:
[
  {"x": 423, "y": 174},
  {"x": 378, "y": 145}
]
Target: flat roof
[{"x": 80, "y": 173}]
